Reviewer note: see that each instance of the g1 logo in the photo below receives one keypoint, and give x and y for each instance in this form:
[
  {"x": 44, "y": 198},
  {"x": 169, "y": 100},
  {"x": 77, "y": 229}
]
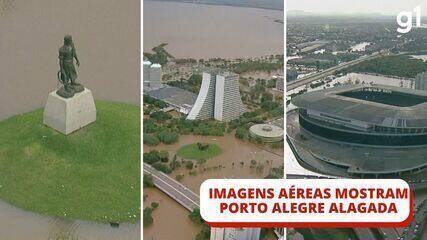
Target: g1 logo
[{"x": 406, "y": 26}]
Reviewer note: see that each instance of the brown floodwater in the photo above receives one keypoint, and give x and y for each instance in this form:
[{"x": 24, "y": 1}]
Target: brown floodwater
[
  {"x": 206, "y": 31},
  {"x": 106, "y": 34},
  {"x": 170, "y": 220},
  {"x": 233, "y": 151},
  {"x": 17, "y": 224}
]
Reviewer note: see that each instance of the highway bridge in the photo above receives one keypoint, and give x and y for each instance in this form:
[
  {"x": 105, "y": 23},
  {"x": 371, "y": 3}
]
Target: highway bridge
[
  {"x": 173, "y": 188},
  {"x": 179, "y": 192},
  {"x": 315, "y": 76}
]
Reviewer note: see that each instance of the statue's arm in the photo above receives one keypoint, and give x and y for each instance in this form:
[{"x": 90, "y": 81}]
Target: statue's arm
[{"x": 75, "y": 56}]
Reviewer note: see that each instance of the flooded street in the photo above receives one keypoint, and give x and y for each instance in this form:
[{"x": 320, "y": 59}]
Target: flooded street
[
  {"x": 107, "y": 39},
  {"x": 233, "y": 151},
  {"x": 207, "y": 31}
]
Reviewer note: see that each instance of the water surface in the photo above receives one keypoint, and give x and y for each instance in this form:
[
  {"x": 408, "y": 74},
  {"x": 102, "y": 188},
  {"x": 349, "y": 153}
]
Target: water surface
[
  {"x": 205, "y": 31},
  {"x": 107, "y": 38}
]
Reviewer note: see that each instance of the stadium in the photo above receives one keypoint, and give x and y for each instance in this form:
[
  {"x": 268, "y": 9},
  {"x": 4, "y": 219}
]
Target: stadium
[
  {"x": 377, "y": 125},
  {"x": 369, "y": 115}
]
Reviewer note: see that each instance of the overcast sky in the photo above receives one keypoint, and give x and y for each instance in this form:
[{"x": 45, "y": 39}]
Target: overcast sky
[{"x": 357, "y": 6}]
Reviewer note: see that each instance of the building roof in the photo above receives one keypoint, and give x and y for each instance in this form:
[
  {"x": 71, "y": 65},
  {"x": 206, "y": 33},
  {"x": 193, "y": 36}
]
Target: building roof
[
  {"x": 329, "y": 102},
  {"x": 174, "y": 96},
  {"x": 267, "y": 131}
]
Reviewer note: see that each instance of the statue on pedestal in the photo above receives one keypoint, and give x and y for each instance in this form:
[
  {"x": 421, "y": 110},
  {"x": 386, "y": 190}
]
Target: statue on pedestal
[{"x": 67, "y": 74}]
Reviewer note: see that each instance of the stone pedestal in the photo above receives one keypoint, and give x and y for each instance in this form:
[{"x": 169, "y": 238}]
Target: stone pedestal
[{"x": 67, "y": 115}]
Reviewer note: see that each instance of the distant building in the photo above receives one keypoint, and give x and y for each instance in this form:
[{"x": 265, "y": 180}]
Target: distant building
[
  {"x": 218, "y": 98},
  {"x": 146, "y": 74},
  {"x": 421, "y": 81},
  {"x": 152, "y": 75},
  {"x": 280, "y": 85},
  {"x": 155, "y": 76},
  {"x": 235, "y": 233}
]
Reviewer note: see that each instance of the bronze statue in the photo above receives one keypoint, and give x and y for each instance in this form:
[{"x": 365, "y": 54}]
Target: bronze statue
[{"x": 67, "y": 74}]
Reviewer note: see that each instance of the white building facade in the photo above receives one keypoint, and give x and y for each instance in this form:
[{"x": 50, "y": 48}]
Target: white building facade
[{"x": 218, "y": 98}]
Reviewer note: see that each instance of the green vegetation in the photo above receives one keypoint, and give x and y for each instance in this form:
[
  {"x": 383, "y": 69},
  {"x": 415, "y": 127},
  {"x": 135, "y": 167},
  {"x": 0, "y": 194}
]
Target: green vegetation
[
  {"x": 241, "y": 133},
  {"x": 205, "y": 232},
  {"x": 195, "y": 216},
  {"x": 169, "y": 130},
  {"x": 162, "y": 167},
  {"x": 147, "y": 214},
  {"x": 401, "y": 66},
  {"x": 148, "y": 181},
  {"x": 193, "y": 151},
  {"x": 151, "y": 140},
  {"x": 323, "y": 61},
  {"x": 160, "y": 55},
  {"x": 147, "y": 218},
  {"x": 160, "y": 116},
  {"x": 257, "y": 65},
  {"x": 158, "y": 160},
  {"x": 275, "y": 173},
  {"x": 92, "y": 174},
  {"x": 168, "y": 137},
  {"x": 152, "y": 101},
  {"x": 192, "y": 84},
  {"x": 152, "y": 105}
]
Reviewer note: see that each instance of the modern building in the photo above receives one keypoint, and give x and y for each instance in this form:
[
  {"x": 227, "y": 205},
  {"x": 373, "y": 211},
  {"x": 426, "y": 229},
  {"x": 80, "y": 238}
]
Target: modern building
[
  {"x": 235, "y": 233},
  {"x": 155, "y": 76},
  {"x": 180, "y": 99},
  {"x": 152, "y": 75},
  {"x": 421, "y": 81},
  {"x": 218, "y": 98},
  {"x": 266, "y": 132},
  {"x": 372, "y": 118}
]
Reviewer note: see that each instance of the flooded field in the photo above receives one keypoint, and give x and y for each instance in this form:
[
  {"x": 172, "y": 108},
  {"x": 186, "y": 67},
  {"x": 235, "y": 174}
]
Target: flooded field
[
  {"x": 107, "y": 38},
  {"x": 207, "y": 31},
  {"x": 233, "y": 162}
]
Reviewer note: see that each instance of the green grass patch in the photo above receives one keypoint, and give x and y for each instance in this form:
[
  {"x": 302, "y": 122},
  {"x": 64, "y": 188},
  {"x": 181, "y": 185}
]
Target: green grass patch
[
  {"x": 92, "y": 174},
  {"x": 192, "y": 151}
]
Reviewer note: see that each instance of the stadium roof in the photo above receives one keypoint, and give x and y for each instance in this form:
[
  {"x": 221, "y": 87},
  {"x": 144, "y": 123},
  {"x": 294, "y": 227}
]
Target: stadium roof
[{"x": 329, "y": 102}]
